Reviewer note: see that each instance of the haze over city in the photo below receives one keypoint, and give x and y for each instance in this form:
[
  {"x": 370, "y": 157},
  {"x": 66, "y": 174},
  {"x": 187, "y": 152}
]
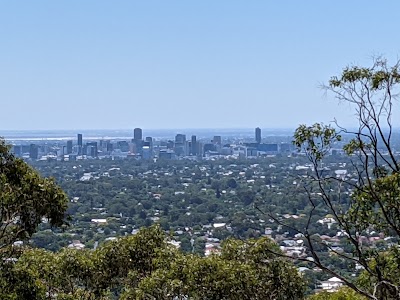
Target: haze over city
[
  {"x": 164, "y": 149},
  {"x": 170, "y": 64}
]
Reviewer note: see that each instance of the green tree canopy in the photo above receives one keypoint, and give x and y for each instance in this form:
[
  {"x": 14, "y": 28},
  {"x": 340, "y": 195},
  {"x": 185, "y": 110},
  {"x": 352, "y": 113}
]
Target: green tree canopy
[
  {"x": 146, "y": 266},
  {"x": 368, "y": 199},
  {"x": 26, "y": 199}
]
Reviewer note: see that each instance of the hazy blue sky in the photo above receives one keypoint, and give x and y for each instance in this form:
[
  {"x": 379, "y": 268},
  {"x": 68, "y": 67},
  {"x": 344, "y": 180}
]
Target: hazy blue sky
[{"x": 183, "y": 64}]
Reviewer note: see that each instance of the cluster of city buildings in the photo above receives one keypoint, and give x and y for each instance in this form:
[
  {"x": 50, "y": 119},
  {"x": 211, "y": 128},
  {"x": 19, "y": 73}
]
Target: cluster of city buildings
[{"x": 148, "y": 148}]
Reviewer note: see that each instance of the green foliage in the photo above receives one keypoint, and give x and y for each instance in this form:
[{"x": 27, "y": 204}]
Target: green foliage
[
  {"x": 231, "y": 183},
  {"x": 342, "y": 294},
  {"x": 377, "y": 205},
  {"x": 25, "y": 199},
  {"x": 374, "y": 185},
  {"x": 376, "y": 77},
  {"x": 244, "y": 270},
  {"x": 315, "y": 140},
  {"x": 385, "y": 284},
  {"x": 145, "y": 266}
]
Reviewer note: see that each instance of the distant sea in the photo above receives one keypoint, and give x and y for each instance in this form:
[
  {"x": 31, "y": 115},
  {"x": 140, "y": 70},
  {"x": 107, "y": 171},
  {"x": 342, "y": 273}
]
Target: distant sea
[{"x": 126, "y": 134}]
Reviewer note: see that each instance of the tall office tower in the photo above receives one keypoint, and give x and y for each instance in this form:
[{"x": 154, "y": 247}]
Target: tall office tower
[
  {"x": 217, "y": 139},
  {"x": 17, "y": 150},
  {"x": 170, "y": 144},
  {"x": 258, "y": 135},
  {"x": 180, "y": 142},
  {"x": 209, "y": 147},
  {"x": 91, "y": 149},
  {"x": 149, "y": 142},
  {"x": 180, "y": 138},
  {"x": 146, "y": 152},
  {"x": 80, "y": 144},
  {"x": 33, "y": 151},
  {"x": 110, "y": 147},
  {"x": 80, "y": 140},
  {"x": 102, "y": 145},
  {"x": 123, "y": 146},
  {"x": 137, "y": 134},
  {"x": 193, "y": 145},
  {"x": 69, "y": 147}
]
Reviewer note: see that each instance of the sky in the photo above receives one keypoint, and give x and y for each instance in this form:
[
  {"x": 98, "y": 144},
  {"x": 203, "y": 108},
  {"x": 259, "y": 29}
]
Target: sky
[{"x": 98, "y": 64}]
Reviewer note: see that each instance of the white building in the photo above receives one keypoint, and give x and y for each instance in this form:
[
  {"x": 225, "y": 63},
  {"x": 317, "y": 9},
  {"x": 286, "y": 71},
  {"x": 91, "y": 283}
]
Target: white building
[{"x": 332, "y": 284}]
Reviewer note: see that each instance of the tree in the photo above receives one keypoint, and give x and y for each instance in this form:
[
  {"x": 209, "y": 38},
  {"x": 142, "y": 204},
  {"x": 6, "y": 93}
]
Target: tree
[
  {"x": 146, "y": 266},
  {"x": 26, "y": 199},
  {"x": 231, "y": 183},
  {"x": 368, "y": 198},
  {"x": 342, "y": 294},
  {"x": 244, "y": 270}
]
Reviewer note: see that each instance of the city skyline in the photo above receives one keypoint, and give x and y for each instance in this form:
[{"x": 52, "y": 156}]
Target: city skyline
[{"x": 149, "y": 148}]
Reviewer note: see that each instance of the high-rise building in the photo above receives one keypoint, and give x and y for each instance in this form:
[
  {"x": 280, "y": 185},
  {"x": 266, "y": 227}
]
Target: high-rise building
[
  {"x": 146, "y": 151},
  {"x": 69, "y": 147},
  {"x": 110, "y": 147},
  {"x": 268, "y": 148},
  {"x": 80, "y": 144},
  {"x": 80, "y": 139},
  {"x": 17, "y": 150},
  {"x": 149, "y": 140},
  {"x": 180, "y": 138},
  {"x": 180, "y": 143},
  {"x": 193, "y": 145},
  {"x": 91, "y": 149},
  {"x": 123, "y": 146},
  {"x": 137, "y": 134},
  {"x": 33, "y": 151},
  {"x": 209, "y": 147},
  {"x": 170, "y": 144},
  {"x": 217, "y": 139},
  {"x": 258, "y": 135}
]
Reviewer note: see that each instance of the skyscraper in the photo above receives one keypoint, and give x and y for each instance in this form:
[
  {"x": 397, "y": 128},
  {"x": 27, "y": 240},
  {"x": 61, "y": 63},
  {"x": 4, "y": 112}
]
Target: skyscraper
[
  {"x": 180, "y": 138},
  {"x": 17, "y": 150},
  {"x": 194, "y": 145},
  {"x": 80, "y": 144},
  {"x": 217, "y": 139},
  {"x": 80, "y": 140},
  {"x": 91, "y": 149},
  {"x": 258, "y": 135},
  {"x": 33, "y": 151},
  {"x": 69, "y": 147},
  {"x": 137, "y": 134},
  {"x": 149, "y": 142},
  {"x": 180, "y": 142}
]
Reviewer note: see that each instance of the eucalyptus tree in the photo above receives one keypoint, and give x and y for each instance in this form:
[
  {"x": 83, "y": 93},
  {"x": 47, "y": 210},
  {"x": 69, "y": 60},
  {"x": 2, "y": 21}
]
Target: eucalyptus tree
[
  {"x": 26, "y": 199},
  {"x": 367, "y": 198},
  {"x": 146, "y": 266}
]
